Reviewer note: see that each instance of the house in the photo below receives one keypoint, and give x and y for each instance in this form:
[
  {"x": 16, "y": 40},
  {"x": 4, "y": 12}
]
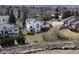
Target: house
[
  {"x": 72, "y": 23},
  {"x": 34, "y": 25},
  {"x": 7, "y": 29},
  {"x": 10, "y": 30}
]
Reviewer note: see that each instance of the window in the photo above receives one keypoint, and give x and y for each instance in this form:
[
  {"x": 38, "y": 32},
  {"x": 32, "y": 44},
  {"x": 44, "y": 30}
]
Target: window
[
  {"x": 0, "y": 35},
  {"x": 15, "y": 29},
  {"x": 4, "y": 27},
  {"x": 3, "y": 19},
  {"x": 44, "y": 23},
  {"x": 2, "y": 32},
  {"x": 6, "y": 32},
  {"x": 11, "y": 33},
  {"x": 10, "y": 30},
  {"x": 37, "y": 25},
  {"x": 37, "y": 30},
  {"x": 15, "y": 33},
  {"x": 30, "y": 26}
]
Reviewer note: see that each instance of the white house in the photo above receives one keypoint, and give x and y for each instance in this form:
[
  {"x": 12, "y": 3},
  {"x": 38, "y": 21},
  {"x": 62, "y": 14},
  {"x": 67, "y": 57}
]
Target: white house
[
  {"x": 8, "y": 30},
  {"x": 33, "y": 25}
]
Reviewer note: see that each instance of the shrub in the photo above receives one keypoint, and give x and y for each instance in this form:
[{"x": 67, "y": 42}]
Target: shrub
[
  {"x": 50, "y": 35},
  {"x": 10, "y": 41},
  {"x": 53, "y": 35},
  {"x": 7, "y": 41},
  {"x": 21, "y": 39},
  {"x": 30, "y": 33}
]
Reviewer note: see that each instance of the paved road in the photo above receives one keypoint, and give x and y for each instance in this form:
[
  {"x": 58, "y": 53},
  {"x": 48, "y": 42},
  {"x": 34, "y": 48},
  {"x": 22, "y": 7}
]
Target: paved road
[{"x": 59, "y": 52}]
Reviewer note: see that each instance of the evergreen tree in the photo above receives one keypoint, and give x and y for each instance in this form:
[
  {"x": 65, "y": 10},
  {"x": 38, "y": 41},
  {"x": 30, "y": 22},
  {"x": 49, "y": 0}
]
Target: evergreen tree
[
  {"x": 72, "y": 13},
  {"x": 56, "y": 16},
  {"x": 12, "y": 19},
  {"x": 18, "y": 14},
  {"x": 67, "y": 14},
  {"x": 24, "y": 19},
  {"x": 23, "y": 23}
]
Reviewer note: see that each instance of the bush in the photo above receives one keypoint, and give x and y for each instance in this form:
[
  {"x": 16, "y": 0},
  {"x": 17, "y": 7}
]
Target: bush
[
  {"x": 7, "y": 41},
  {"x": 53, "y": 35},
  {"x": 21, "y": 40},
  {"x": 10, "y": 41},
  {"x": 50, "y": 35},
  {"x": 30, "y": 33}
]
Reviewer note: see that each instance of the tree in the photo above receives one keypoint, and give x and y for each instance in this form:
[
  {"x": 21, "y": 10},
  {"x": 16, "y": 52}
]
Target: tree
[
  {"x": 66, "y": 14},
  {"x": 56, "y": 10},
  {"x": 18, "y": 14},
  {"x": 24, "y": 19},
  {"x": 76, "y": 13},
  {"x": 56, "y": 16},
  {"x": 12, "y": 18},
  {"x": 72, "y": 13},
  {"x": 24, "y": 22}
]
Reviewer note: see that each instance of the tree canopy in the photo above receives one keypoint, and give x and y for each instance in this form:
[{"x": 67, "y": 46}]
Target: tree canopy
[{"x": 12, "y": 19}]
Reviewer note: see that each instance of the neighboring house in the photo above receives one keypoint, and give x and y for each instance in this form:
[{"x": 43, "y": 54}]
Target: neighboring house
[
  {"x": 8, "y": 30},
  {"x": 33, "y": 25},
  {"x": 72, "y": 23}
]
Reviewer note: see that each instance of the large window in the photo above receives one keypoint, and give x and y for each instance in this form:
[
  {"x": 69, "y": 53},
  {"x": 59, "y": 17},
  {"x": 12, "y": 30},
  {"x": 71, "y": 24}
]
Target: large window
[
  {"x": 11, "y": 33},
  {"x": 30, "y": 26},
  {"x": 37, "y": 25},
  {"x": 15, "y": 33},
  {"x": 6, "y": 32},
  {"x": 37, "y": 30},
  {"x": 15, "y": 29},
  {"x": 4, "y": 27},
  {"x": 3, "y": 19}
]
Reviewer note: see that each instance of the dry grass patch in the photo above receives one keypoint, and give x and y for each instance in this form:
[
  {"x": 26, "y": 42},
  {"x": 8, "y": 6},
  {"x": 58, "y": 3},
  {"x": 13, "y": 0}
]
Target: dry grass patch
[{"x": 70, "y": 35}]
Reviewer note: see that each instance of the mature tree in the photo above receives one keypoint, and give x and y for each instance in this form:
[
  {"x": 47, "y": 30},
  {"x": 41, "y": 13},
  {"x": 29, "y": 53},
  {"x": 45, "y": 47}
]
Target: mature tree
[
  {"x": 66, "y": 14},
  {"x": 12, "y": 19},
  {"x": 76, "y": 13},
  {"x": 56, "y": 16},
  {"x": 18, "y": 14},
  {"x": 72, "y": 13},
  {"x": 24, "y": 22},
  {"x": 56, "y": 10},
  {"x": 24, "y": 19}
]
